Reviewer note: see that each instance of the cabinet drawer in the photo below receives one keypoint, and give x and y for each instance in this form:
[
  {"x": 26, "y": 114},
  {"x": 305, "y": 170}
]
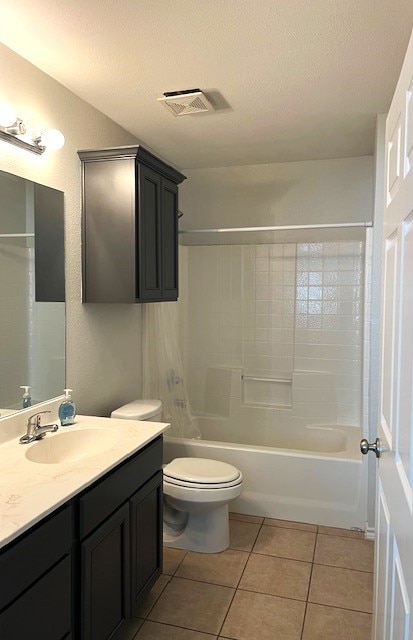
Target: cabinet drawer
[
  {"x": 103, "y": 499},
  {"x": 32, "y": 555},
  {"x": 44, "y": 611}
]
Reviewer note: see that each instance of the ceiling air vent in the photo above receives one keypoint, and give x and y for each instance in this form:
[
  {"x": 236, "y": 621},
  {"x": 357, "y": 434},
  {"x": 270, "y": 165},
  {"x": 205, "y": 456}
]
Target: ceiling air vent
[{"x": 187, "y": 102}]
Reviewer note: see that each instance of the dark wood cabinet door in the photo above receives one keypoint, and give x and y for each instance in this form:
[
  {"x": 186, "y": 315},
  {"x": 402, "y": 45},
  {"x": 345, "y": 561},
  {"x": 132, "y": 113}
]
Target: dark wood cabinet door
[
  {"x": 105, "y": 578},
  {"x": 146, "y": 537},
  {"x": 21, "y": 566},
  {"x": 169, "y": 240},
  {"x": 43, "y": 611},
  {"x": 149, "y": 258},
  {"x": 49, "y": 244},
  {"x": 108, "y": 231}
]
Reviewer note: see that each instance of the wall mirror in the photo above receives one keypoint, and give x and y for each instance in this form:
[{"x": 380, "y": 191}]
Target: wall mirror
[{"x": 32, "y": 292}]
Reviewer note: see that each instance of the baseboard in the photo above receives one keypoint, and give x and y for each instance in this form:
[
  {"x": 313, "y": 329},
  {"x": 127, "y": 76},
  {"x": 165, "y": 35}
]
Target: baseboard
[{"x": 370, "y": 533}]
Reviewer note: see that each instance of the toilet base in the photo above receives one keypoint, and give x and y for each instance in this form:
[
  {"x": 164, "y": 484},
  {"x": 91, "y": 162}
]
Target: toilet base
[{"x": 205, "y": 532}]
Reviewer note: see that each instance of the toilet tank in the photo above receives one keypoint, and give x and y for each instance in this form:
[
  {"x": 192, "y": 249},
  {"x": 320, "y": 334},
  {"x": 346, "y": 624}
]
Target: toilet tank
[{"x": 150, "y": 410}]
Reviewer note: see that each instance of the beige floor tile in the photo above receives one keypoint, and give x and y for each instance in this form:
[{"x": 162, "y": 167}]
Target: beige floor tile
[
  {"x": 344, "y": 533},
  {"x": 193, "y": 605},
  {"x": 172, "y": 558},
  {"x": 289, "y": 524},
  {"x": 130, "y": 631},
  {"x": 286, "y": 543},
  {"x": 263, "y": 617},
  {"x": 349, "y": 553},
  {"x": 156, "y": 631},
  {"x": 244, "y": 518},
  {"x": 243, "y": 534},
  {"x": 277, "y": 576},
  {"x": 216, "y": 568},
  {"x": 153, "y": 595},
  {"x": 343, "y": 588},
  {"x": 328, "y": 623}
]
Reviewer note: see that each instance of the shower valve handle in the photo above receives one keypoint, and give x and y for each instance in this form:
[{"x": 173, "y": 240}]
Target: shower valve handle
[{"x": 366, "y": 446}]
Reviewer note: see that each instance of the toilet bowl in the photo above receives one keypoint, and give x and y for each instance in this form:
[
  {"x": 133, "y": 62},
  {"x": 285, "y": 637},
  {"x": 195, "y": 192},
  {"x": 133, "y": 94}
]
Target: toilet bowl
[
  {"x": 196, "y": 492},
  {"x": 196, "y": 496}
]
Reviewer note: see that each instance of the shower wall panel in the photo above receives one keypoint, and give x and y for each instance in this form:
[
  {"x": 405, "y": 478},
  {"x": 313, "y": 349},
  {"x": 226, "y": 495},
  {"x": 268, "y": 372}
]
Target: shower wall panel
[
  {"x": 288, "y": 314},
  {"x": 329, "y": 326}
]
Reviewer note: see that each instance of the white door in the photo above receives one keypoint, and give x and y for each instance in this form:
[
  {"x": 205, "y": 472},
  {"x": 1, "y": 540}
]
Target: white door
[{"x": 394, "y": 518}]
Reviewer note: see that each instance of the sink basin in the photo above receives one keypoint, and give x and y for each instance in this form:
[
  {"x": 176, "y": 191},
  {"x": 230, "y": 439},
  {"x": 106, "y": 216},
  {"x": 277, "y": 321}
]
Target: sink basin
[{"x": 72, "y": 446}]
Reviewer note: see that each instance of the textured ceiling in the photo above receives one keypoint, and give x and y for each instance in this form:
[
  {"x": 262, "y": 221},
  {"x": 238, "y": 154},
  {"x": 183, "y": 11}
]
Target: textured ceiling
[{"x": 293, "y": 79}]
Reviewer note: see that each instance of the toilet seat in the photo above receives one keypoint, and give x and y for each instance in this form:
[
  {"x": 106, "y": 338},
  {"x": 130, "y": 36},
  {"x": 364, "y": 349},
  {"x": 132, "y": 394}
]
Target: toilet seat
[
  {"x": 204, "y": 485},
  {"x": 201, "y": 473}
]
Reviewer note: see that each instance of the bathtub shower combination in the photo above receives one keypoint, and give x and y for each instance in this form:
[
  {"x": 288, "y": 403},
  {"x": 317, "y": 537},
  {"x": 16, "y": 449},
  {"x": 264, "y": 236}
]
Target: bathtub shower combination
[
  {"x": 315, "y": 478},
  {"x": 272, "y": 342}
]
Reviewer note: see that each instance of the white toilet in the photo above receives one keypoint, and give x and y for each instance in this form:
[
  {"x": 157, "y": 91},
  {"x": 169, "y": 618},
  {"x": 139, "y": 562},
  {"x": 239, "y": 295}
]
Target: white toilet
[{"x": 196, "y": 492}]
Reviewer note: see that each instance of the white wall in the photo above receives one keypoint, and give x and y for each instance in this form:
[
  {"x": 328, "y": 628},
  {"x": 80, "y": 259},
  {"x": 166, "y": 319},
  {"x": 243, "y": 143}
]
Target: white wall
[
  {"x": 103, "y": 341},
  {"x": 316, "y": 191}
]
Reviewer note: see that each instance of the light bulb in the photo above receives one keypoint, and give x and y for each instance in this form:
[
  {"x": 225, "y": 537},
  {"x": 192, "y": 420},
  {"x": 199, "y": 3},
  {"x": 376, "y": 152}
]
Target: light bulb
[
  {"x": 52, "y": 139},
  {"x": 8, "y": 115}
]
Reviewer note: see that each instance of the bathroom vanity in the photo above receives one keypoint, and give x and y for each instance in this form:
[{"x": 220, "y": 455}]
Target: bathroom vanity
[{"x": 95, "y": 549}]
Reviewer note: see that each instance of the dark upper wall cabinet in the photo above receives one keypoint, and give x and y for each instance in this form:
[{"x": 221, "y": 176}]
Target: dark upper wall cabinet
[
  {"x": 49, "y": 243},
  {"x": 130, "y": 226}
]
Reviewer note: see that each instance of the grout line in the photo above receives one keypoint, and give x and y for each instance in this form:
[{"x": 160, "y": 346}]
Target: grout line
[
  {"x": 135, "y": 637},
  {"x": 338, "y": 535},
  {"x": 240, "y": 578},
  {"x": 272, "y": 595},
  {"x": 309, "y": 585},
  {"x": 256, "y": 537},
  {"x": 275, "y": 526},
  {"x": 157, "y": 598},
  {"x": 337, "y": 566},
  {"x": 180, "y": 563},
  {"x": 233, "y": 513},
  {"x": 278, "y": 526},
  {"x": 332, "y": 606},
  {"x": 315, "y": 545},
  {"x": 272, "y": 555},
  {"x": 175, "y": 626}
]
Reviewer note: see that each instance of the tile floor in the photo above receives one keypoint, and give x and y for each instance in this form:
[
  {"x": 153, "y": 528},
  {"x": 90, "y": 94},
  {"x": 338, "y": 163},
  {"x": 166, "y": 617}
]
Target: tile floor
[{"x": 278, "y": 580}]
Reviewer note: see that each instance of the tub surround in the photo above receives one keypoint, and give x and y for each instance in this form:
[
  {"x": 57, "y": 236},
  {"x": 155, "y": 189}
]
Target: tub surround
[{"x": 30, "y": 490}]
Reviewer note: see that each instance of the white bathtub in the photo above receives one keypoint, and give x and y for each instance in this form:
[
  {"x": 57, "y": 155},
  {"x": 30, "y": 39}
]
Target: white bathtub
[{"x": 310, "y": 474}]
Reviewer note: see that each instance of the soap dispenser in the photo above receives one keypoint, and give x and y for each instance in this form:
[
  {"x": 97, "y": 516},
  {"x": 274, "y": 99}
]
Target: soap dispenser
[
  {"x": 67, "y": 410},
  {"x": 27, "y": 399}
]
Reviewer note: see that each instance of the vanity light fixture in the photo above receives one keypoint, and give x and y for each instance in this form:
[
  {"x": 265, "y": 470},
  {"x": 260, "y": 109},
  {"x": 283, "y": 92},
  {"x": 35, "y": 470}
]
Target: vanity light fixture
[{"x": 14, "y": 130}]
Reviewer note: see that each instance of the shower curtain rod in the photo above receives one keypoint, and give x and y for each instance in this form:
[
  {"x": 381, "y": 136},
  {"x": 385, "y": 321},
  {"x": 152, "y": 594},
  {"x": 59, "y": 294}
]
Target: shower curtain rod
[
  {"x": 16, "y": 235},
  {"x": 338, "y": 225}
]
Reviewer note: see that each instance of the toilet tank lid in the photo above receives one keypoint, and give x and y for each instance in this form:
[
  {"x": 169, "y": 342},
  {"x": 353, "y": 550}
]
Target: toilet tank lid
[{"x": 138, "y": 410}]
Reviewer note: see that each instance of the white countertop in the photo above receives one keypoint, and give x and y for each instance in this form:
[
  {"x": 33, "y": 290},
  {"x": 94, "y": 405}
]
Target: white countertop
[{"x": 29, "y": 491}]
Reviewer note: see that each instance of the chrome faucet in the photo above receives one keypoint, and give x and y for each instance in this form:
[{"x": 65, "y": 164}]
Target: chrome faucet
[{"x": 35, "y": 431}]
